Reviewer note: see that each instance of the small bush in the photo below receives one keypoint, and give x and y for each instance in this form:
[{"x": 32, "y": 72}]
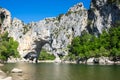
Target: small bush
[
  {"x": 44, "y": 55},
  {"x": 68, "y": 13},
  {"x": 111, "y": 1},
  {"x": 59, "y": 17}
]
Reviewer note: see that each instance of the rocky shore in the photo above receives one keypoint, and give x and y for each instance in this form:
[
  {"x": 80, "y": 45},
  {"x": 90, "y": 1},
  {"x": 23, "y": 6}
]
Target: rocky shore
[
  {"x": 3, "y": 76},
  {"x": 100, "y": 60},
  {"x": 17, "y": 73},
  {"x": 14, "y": 74}
]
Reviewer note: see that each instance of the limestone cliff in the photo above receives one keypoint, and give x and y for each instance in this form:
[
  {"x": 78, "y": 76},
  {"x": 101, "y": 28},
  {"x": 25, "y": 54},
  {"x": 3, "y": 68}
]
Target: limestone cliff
[
  {"x": 5, "y": 19},
  {"x": 55, "y": 34},
  {"x": 103, "y": 14}
]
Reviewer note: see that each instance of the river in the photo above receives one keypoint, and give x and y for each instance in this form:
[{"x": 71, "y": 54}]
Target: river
[{"x": 56, "y": 71}]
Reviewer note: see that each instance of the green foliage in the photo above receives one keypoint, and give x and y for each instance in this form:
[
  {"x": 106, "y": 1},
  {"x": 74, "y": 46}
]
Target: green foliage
[
  {"x": 87, "y": 45},
  {"x": 8, "y": 47},
  {"x": 46, "y": 56},
  {"x": 70, "y": 57},
  {"x": 59, "y": 17},
  {"x": 68, "y": 13},
  {"x": 117, "y": 23},
  {"x": 113, "y": 1},
  {"x": 89, "y": 22}
]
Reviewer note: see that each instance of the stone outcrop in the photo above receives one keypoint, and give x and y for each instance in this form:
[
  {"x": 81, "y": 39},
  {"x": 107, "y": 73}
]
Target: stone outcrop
[
  {"x": 100, "y": 60},
  {"x": 7, "y": 78},
  {"x": 103, "y": 14},
  {"x": 5, "y": 19},
  {"x": 16, "y": 70},
  {"x": 1, "y": 64},
  {"x": 90, "y": 60},
  {"x": 55, "y": 34},
  {"x": 3, "y": 76}
]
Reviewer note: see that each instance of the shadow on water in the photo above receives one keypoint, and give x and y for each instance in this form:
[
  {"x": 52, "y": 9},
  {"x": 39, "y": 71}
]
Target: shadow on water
[{"x": 55, "y": 71}]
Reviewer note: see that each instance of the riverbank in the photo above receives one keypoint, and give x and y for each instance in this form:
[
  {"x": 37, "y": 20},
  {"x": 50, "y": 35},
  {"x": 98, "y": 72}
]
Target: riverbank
[
  {"x": 14, "y": 74},
  {"x": 19, "y": 73},
  {"x": 100, "y": 60},
  {"x": 3, "y": 76}
]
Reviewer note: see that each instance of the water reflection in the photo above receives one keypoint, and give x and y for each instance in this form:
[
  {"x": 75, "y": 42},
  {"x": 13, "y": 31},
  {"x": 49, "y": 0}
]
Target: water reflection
[{"x": 55, "y": 71}]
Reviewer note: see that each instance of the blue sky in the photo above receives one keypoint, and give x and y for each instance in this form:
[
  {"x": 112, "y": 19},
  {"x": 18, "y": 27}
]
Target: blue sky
[{"x": 35, "y": 10}]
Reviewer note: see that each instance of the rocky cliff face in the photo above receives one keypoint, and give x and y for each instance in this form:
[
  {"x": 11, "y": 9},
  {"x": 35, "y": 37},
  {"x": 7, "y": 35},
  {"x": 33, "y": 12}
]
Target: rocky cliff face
[
  {"x": 55, "y": 34},
  {"x": 103, "y": 14},
  {"x": 5, "y": 19}
]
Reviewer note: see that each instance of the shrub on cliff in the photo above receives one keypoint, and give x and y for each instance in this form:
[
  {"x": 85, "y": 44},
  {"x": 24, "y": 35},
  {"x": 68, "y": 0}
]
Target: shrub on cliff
[
  {"x": 44, "y": 55},
  {"x": 8, "y": 47},
  {"x": 113, "y": 1}
]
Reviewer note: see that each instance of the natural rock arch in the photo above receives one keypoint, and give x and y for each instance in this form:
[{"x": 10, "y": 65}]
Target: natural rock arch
[{"x": 39, "y": 43}]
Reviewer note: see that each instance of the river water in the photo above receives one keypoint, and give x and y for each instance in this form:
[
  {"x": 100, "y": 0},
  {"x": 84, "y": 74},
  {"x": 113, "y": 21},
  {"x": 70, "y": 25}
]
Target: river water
[{"x": 56, "y": 71}]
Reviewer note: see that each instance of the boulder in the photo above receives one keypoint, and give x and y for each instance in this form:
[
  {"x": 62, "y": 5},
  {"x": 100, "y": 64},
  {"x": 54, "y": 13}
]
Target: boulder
[
  {"x": 2, "y": 75},
  {"x": 109, "y": 62},
  {"x": 105, "y": 60},
  {"x": 16, "y": 70},
  {"x": 96, "y": 60},
  {"x": 102, "y": 60},
  {"x": 1, "y": 64},
  {"x": 7, "y": 78},
  {"x": 57, "y": 60},
  {"x": 90, "y": 60}
]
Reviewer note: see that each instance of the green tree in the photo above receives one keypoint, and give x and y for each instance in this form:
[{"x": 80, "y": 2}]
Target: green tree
[
  {"x": 75, "y": 47},
  {"x": 106, "y": 44},
  {"x": 8, "y": 47}
]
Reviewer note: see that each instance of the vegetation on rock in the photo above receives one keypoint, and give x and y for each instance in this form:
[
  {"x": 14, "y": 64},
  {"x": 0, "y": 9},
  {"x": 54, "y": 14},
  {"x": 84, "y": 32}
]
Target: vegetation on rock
[
  {"x": 44, "y": 55},
  {"x": 25, "y": 29},
  {"x": 106, "y": 44},
  {"x": 8, "y": 47},
  {"x": 113, "y": 1},
  {"x": 59, "y": 17}
]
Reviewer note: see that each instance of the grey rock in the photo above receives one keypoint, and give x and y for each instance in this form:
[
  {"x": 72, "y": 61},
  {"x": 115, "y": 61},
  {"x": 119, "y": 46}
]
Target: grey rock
[
  {"x": 56, "y": 33},
  {"x": 2, "y": 74},
  {"x": 5, "y": 19},
  {"x": 105, "y": 60},
  {"x": 1, "y": 64},
  {"x": 90, "y": 60},
  {"x": 16, "y": 70},
  {"x": 102, "y": 16},
  {"x": 102, "y": 60},
  {"x": 7, "y": 78}
]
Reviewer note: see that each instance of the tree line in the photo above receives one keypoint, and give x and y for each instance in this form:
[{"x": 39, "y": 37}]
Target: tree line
[{"x": 87, "y": 45}]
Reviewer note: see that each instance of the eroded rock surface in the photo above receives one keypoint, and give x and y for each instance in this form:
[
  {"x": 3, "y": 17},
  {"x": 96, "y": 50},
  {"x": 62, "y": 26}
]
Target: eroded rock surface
[{"x": 55, "y": 34}]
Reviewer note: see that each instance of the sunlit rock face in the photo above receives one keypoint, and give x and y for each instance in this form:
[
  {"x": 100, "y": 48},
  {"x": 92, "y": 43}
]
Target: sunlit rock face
[
  {"x": 103, "y": 14},
  {"x": 5, "y": 19},
  {"x": 53, "y": 33},
  {"x": 28, "y": 34},
  {"x": 56, "y": 33}
]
